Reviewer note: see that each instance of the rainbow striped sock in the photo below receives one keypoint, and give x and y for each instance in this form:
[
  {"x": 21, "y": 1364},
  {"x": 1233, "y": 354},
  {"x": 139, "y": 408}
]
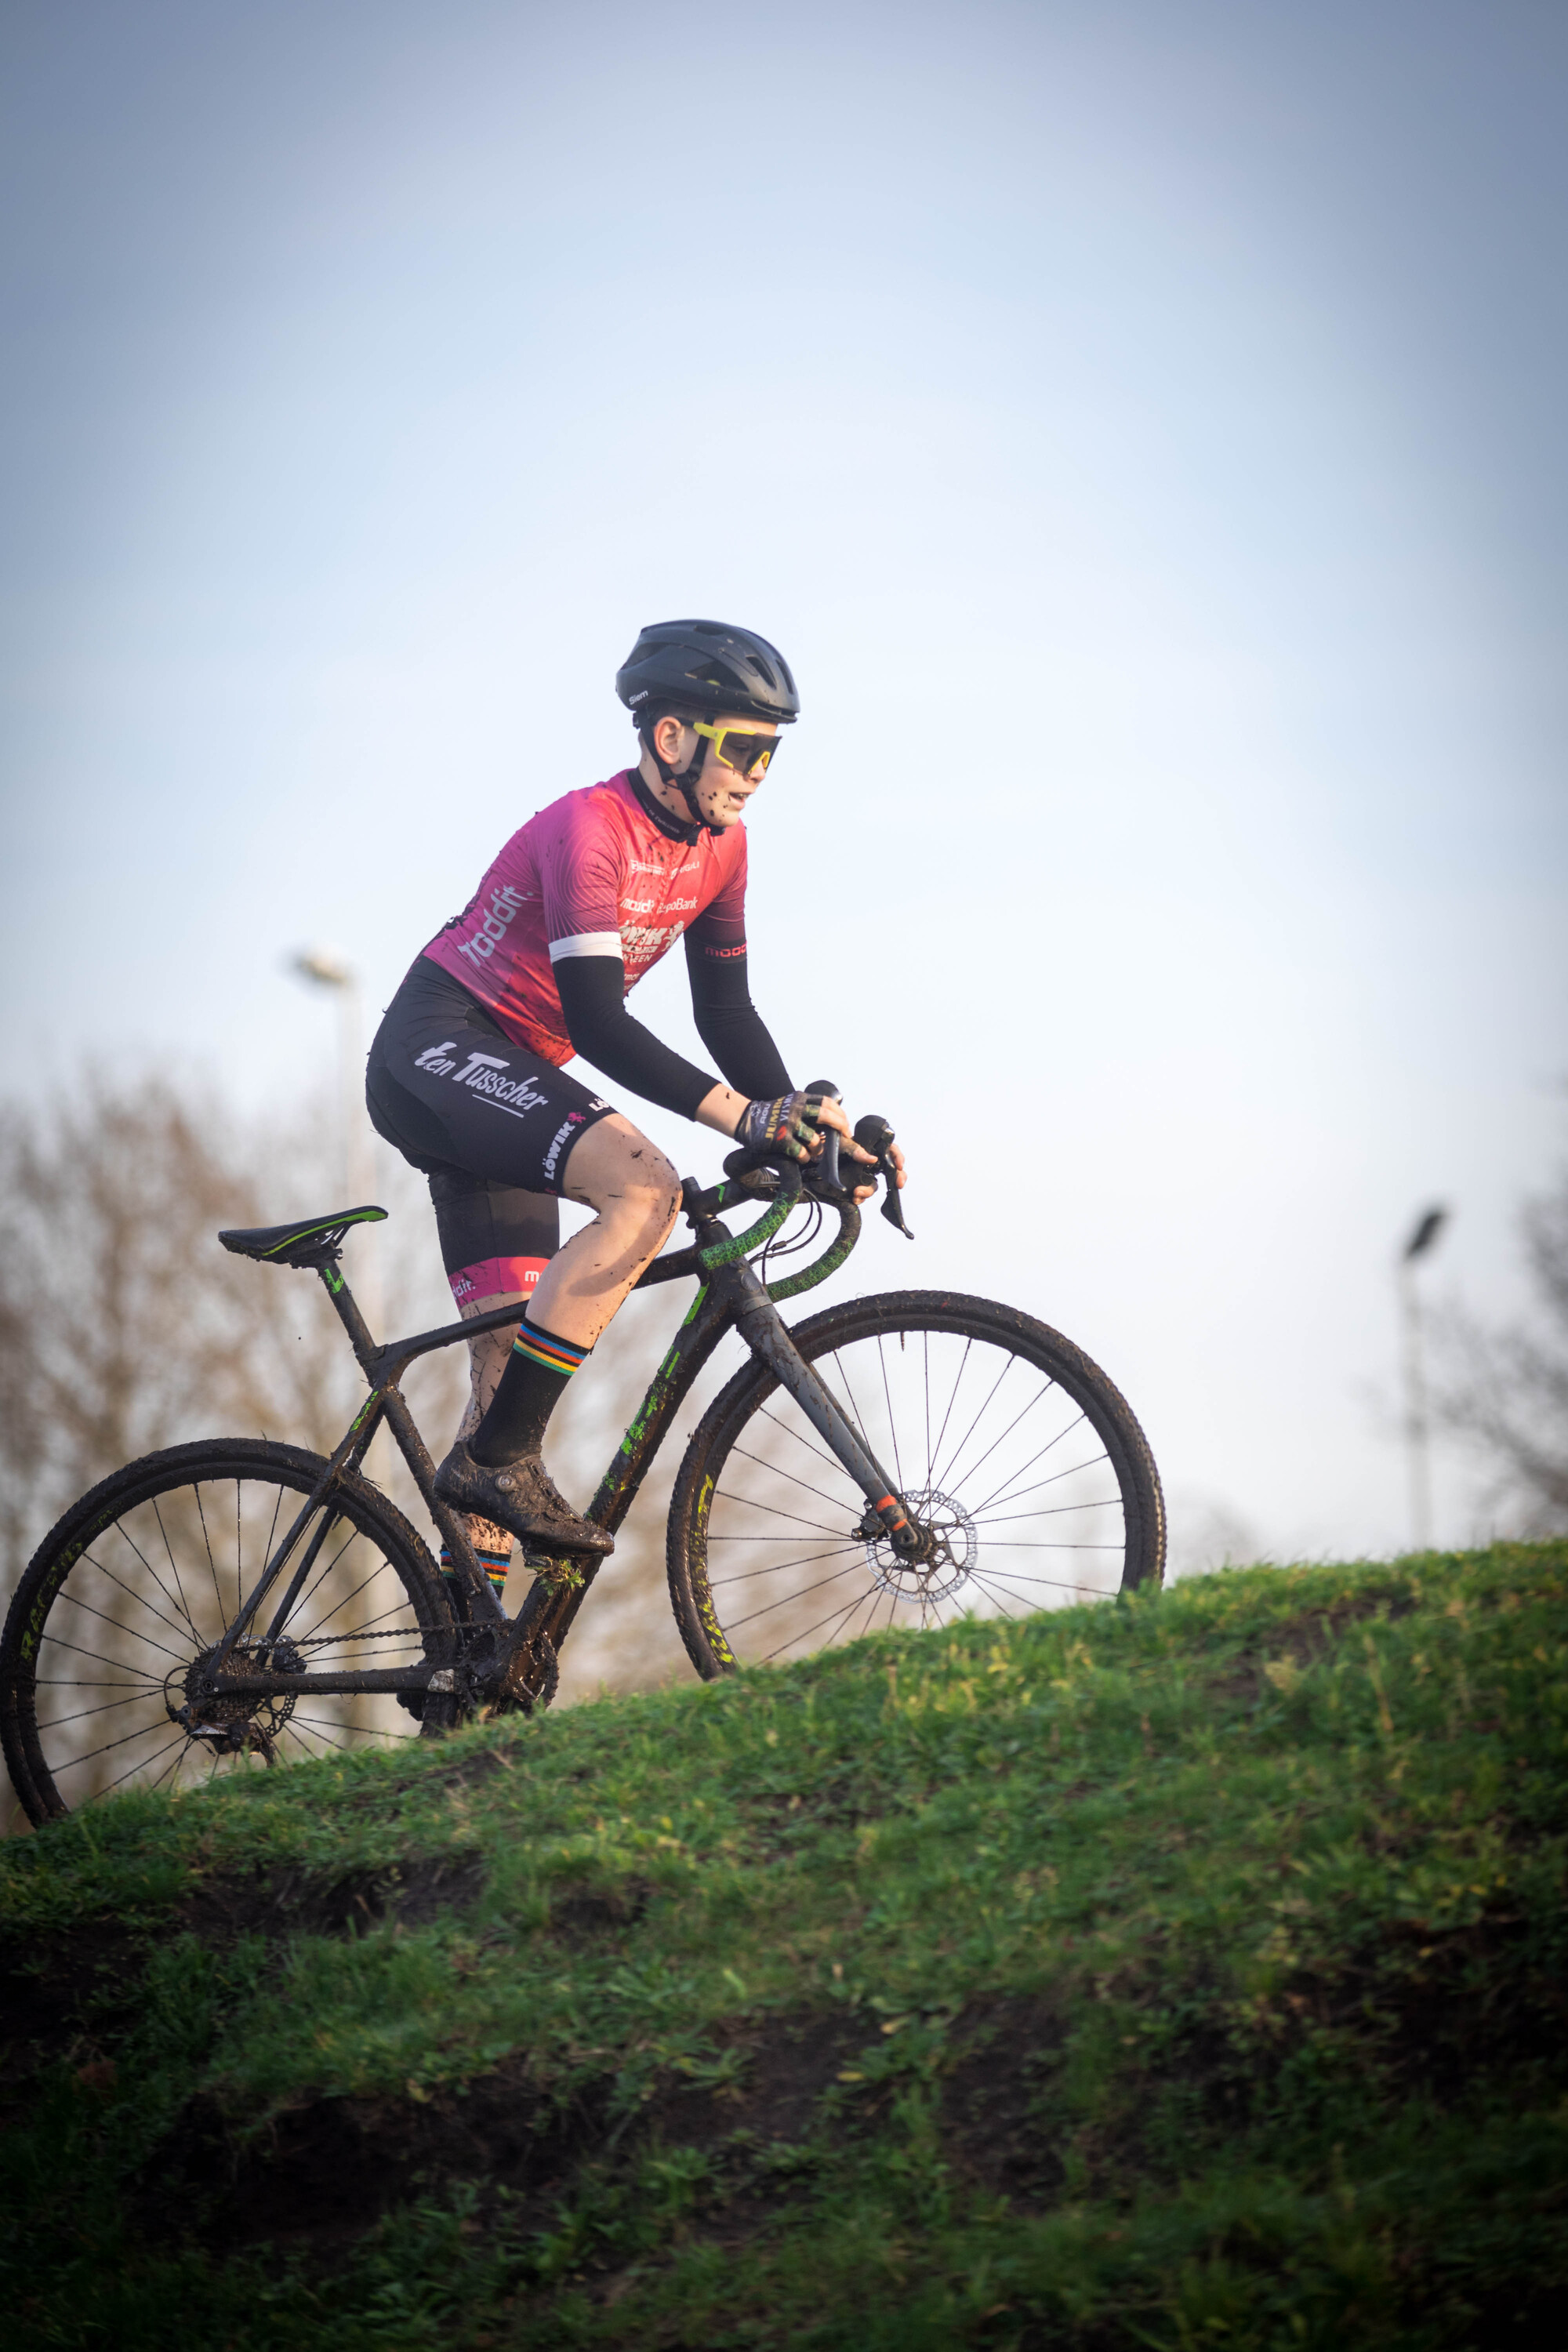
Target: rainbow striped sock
[
  {"x": 530, "y": 1387},
  {"x": 539, "y": 1346},
  {"x": 497, "y": 1566}
]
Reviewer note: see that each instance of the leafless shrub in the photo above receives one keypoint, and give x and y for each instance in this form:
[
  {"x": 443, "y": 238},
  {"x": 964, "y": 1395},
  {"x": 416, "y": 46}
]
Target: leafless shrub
[
  {"x": 124, "y": 1326},
  {"x": 1504, "y": 1389}
]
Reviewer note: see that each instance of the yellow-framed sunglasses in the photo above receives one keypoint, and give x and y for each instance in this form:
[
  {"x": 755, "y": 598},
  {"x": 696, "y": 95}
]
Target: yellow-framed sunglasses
[{"x": 739, "y": 748}]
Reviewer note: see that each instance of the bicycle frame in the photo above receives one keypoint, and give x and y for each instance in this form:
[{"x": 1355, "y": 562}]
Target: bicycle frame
[{"x": 728, "y": 1295}]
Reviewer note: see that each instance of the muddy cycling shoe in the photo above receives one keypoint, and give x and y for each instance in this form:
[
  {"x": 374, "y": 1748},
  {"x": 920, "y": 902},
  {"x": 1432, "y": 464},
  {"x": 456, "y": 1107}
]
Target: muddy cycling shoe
[{"x": 521, "y": 1497}]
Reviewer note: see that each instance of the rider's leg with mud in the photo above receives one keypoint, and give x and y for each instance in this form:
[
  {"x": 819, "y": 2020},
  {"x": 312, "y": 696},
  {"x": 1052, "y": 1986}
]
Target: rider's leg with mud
[
  {"x": 635, "y": 1194},
  {"x": 496, "y": 1241},
  {"x": 488, "y": 1354},
  {"x": 628, "y": 1182}
]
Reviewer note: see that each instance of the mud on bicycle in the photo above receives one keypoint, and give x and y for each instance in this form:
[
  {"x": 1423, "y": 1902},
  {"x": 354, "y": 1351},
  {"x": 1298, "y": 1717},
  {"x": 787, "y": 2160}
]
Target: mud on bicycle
[{"x": 898, "y": 1460}]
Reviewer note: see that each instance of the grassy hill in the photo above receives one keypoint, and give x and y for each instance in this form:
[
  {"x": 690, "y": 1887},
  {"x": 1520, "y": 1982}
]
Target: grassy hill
[{"x": 1185, "y": 1971}]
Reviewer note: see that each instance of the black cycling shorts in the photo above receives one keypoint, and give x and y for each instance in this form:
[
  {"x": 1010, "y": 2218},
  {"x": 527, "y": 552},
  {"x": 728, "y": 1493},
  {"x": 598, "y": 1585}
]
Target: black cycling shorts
[{"x": 489, "y": 1123}]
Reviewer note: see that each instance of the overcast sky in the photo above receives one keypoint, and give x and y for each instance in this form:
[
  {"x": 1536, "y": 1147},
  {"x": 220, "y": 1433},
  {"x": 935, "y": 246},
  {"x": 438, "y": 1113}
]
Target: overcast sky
[{"x": 1141, "y": 426}]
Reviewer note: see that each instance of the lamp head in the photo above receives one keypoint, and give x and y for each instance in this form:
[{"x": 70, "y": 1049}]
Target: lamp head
[{"x": 1427, "y": 1228}]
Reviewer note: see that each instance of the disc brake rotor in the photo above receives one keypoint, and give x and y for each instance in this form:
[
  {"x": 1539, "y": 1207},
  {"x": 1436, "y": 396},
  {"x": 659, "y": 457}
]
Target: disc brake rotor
[{"x": 950, "y": 1551}]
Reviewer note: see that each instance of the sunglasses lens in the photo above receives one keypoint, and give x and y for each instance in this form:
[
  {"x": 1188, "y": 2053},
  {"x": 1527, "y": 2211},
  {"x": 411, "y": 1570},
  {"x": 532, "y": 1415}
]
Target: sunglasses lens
[{"x": 750, "y": 753}]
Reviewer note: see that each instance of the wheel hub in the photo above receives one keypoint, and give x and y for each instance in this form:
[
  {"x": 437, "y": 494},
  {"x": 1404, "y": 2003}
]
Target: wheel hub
[
  {"x": 236, "y": 1719},
  {"x": 947, "y": 1552}
]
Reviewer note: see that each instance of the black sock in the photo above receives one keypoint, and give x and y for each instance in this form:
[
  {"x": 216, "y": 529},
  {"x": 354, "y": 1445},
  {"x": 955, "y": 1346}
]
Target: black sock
[{"x": 527, "y": 1393}]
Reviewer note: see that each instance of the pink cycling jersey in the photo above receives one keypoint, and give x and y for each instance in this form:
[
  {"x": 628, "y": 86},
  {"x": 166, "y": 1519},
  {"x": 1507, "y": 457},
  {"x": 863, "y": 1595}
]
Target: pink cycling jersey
[{"x": 591, "y": 874}]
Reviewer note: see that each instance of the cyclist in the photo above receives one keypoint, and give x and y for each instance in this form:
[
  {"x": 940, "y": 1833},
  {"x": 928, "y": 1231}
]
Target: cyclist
[{"x": 465, "y": 1076}]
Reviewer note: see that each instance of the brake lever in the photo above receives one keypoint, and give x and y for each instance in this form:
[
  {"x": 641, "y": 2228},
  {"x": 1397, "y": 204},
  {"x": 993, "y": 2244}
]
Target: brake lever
[
  {"x": 874, "y": 1135},
  {"x": 828, "y": 1167}
]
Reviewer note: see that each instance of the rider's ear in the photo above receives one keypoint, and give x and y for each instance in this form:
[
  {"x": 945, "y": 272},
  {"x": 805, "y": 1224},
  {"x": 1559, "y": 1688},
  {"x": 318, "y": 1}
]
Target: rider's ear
[{"x": 667, "y": 737}]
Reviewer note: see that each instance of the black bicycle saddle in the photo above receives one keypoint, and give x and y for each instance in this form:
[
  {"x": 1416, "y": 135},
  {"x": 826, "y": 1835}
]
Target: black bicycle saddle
[{"x": 310, "y": 1242}]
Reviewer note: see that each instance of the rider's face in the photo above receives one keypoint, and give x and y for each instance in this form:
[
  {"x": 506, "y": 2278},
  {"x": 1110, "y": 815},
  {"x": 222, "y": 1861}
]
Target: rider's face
[{"x": 721, "y": 791}]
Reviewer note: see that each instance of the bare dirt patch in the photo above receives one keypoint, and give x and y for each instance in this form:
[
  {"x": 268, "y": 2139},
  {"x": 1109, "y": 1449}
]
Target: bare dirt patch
[
  {"x": 322, "y": 2173},
  {"x": 993, "y": 2124},
  {"x": 282, "y": 1903},
  {"x": 59, "y": 1989}
]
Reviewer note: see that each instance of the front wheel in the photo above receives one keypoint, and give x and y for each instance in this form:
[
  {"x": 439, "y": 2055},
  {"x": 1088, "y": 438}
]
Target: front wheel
[
  {"x": 1004, "y": 1440},
  {"x": 125, "y": 1599}
]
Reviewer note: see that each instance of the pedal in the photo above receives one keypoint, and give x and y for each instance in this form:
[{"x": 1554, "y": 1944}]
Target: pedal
[{"x": 559, "y": 1570}]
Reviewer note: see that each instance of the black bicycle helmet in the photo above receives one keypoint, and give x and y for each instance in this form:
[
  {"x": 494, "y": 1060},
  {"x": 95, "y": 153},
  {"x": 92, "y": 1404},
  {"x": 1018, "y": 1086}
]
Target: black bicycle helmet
[{"x": 709, "y": 667}]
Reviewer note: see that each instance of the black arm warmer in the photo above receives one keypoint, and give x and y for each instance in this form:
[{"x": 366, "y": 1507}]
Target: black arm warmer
[
  {"x": 730, "y": 1024},
  {"x": 592, "y": 993}
]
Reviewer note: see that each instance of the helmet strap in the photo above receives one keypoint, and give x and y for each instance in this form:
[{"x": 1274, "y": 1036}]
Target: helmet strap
[{"x": 681, "y": 779}]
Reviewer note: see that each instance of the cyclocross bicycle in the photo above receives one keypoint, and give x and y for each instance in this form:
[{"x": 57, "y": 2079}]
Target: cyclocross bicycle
[{"x": 898, "y": 1460}]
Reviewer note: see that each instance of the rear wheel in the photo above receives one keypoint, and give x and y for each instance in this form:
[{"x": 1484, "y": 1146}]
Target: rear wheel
[
  {"x": 125, "y": 1599},
  {"x": 1004, "y": 1439}
]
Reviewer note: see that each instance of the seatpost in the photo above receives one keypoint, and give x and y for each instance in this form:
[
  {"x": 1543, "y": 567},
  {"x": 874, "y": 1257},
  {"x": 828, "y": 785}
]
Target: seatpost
[{"x": 348, "y": 1314}]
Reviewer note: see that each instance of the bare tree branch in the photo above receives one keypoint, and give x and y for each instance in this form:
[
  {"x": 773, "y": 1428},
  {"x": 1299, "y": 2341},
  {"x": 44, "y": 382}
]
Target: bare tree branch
[{"x": 1505, "y": 1389}]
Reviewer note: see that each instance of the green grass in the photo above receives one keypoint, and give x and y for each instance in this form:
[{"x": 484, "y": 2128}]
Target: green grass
[{"x": 1179, "y": 1972}]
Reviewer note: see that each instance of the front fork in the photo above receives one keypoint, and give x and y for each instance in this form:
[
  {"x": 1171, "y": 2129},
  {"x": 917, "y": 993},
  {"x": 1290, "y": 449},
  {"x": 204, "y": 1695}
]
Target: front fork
[
  {"x": 769, "y": 1338},
  {"x": 733, "y": 1295}
]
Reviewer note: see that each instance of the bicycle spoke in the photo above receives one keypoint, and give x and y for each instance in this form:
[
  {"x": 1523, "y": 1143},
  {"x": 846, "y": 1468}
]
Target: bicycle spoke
[
  {"x": 149, "y": 1682},
  {"x": 790, "y": 1429},
  {"x": 836, "y": 1618},
  {"x": 935, "y": 1450},
  {"x": 130, "y": 1768},
  {"x": 1010, "y": 1614},
  {"x": 773, "y": 1470},
  {"x": 146, "y": 1639},
  {"x": 820, "y": 1586},
  {"x": 1046, "y": 1584},
  {"x": 892, "y": 1418},
  {"x": 1040, "y": 1397},
  {"x": 857, "y": 1418},
  {"x": 1032, "y": 1518},
  {"x": 321, "y": 1574},
  {"x": 80, "y": 1682},
  {"x": 867, "y": 1602},
  {"x": 322, "y": 1731},
  {"x": 131, "y": 1594},
  {"x": 58, "y": 1722},
  {"x": 126, "y": 1619},
  {"x": 314, "y": 1632},
  {"x": 201, "y": 1514},
  {"x": 752, "y": 1504},
  {"x": 1001, "y": 1494},
  {"x": 124, "y": 1533},
  {"x": 773, "y": 1567},
  {"x": 173, "y": 1569},
  {"x": 1018, "y": 1543},
  {"x": 172, "y": 1767},
  {"x": 1057, "y": 1511}
]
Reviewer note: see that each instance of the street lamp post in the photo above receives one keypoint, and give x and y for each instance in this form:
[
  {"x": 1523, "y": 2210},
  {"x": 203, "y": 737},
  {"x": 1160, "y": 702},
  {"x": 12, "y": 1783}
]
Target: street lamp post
[
  {"x": 1423, "y": 1234},
  {"x": 324, "y": 968}
]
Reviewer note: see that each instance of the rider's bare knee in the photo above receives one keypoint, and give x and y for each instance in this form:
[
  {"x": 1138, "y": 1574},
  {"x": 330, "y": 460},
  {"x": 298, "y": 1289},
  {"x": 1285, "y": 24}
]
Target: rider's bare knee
[{"x": 650, "y": 1194}]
